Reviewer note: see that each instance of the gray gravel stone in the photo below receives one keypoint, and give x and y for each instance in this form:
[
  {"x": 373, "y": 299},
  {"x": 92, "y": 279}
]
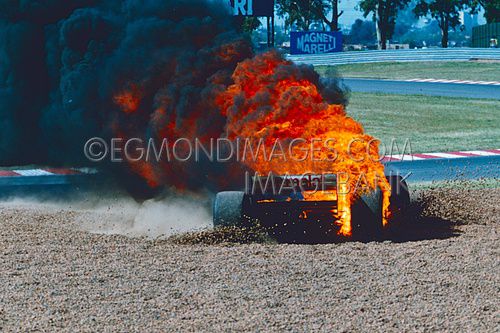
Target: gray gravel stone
[{"x": 57, "y": 277}]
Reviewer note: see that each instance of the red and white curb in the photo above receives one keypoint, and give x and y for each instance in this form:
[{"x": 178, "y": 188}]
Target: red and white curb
[
  {"x": 489, "y": 83},
  {"x": 391, "y": 158},
  {"x": 46, "y": 172},
  {"x": 448, "y": 155}
]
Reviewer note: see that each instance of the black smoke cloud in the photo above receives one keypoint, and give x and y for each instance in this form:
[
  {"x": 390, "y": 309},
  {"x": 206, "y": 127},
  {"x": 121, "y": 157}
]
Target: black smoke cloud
[{"x": 61, "y": 63}]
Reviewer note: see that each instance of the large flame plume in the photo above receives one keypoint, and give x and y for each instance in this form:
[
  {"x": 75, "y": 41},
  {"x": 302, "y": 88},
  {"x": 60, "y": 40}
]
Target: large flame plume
[{"x": 272, "y": 98}]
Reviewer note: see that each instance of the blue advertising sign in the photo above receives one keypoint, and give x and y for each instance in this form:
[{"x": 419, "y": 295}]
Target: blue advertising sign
[{"x": 315, "y": 42}]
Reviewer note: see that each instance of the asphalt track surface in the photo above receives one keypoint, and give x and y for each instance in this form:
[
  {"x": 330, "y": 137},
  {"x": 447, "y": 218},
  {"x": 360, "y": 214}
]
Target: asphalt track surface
[
  {"x": 423, "y": 88},
  {"x": 441, "y": 169}
]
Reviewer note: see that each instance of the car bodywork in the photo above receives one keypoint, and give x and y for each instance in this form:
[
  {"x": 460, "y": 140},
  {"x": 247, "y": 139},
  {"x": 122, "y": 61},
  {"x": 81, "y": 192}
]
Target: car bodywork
[{"x": 280, "y": 206}]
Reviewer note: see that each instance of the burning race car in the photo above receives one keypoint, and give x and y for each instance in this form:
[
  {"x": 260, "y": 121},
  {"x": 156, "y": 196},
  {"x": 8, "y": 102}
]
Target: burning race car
[{"x": 306, "y": 208}]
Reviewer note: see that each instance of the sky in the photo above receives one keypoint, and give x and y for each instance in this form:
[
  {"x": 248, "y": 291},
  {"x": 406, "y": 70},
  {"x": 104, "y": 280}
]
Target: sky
[{"x": 350, "y": 13}]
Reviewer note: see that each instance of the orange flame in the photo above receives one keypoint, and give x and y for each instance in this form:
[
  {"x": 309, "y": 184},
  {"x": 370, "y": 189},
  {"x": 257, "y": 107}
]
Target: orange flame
[
  {"x": 129, "y": 99},
  {"x": 270, "y": 100}
]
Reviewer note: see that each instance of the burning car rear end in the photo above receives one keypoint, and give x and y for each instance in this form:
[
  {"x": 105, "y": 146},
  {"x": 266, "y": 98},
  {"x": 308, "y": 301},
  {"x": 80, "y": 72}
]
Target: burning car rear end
[{"x": 308, "y": 208}]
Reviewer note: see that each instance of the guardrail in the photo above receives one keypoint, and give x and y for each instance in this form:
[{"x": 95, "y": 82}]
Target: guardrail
[{"x": 451, "y": 54}]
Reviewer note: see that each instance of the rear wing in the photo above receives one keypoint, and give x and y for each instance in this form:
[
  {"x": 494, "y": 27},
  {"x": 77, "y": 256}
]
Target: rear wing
[{"x": 289, "y": 184}]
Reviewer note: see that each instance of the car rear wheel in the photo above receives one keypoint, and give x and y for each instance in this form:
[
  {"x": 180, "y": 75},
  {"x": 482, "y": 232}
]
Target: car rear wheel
[
  {"x": 400, "y": 199},
  {"x": 228, "y": 209},
  {"x": 367, "y": 216}
]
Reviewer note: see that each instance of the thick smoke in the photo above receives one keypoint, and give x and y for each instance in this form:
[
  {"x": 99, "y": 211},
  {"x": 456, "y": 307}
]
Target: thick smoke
[
  {"x": 62, "y": 62},
  {"x": 28, "y": 30},
  {"x": 73, "y": 70}
]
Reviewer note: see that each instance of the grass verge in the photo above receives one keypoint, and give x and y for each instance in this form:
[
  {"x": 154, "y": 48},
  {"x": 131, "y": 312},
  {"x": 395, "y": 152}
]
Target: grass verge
[
  {"x": 469, "y": 70},
  {"x": 432, "y": 124}
]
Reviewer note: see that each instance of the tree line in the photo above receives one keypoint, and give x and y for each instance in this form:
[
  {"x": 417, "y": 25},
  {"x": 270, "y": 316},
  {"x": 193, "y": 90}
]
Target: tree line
[{"x": 313, "y": 14}]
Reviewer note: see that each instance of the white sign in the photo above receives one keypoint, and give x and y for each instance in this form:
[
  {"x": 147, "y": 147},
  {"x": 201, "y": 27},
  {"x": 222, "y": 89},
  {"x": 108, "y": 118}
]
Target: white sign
[{"x": 242, "y": 7}]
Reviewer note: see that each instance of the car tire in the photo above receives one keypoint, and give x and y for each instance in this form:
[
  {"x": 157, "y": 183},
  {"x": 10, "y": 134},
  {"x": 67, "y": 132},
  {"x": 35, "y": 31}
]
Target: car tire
[{"x": 228, "y": 209}]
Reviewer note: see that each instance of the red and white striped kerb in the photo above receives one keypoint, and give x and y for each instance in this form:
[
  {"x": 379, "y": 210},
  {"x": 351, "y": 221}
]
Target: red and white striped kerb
[
  {"x": 46, "y": 172},
  {"x": 448, "y": 155}
]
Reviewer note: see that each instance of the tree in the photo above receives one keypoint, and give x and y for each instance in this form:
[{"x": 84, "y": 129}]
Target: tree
[
  {"x": 384, "y": 13},
  {"x": 331, "y": 7},
  {"x": 246, "y": 23},
  {"x": 446, "y": 13},
  {"x": 406, "y": 22},
  {"x": 362, "y": 32},
  {"x": 301, "y": 13},
  {"x": 491, "y": 9},
  {"x": 251, "y": 23}
]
